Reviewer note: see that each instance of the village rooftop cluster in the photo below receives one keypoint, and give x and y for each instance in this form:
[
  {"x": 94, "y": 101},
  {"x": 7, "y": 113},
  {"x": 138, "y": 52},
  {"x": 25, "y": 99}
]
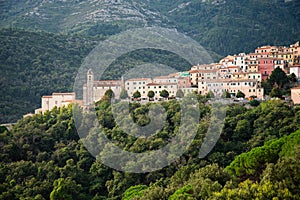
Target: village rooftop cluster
[{"x": 242, "y": 72}]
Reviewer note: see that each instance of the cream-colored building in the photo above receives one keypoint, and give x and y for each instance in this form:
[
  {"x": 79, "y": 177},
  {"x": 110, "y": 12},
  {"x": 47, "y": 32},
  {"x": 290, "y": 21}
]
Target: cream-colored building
[
  {"x": 219, "y": 86},
  {"x": 295, "y": 95},
  {"x": 158, "y": 87},
  {"x": 94, "y": 90},
  {"x": 137, "y": 84},
  {"x": 56, "y": 100}
]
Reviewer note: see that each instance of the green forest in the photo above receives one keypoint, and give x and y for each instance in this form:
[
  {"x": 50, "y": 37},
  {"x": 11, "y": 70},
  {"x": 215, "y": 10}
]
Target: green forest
[
  {"x": 34, "y": 64},
  {"x": 256, "y": 157}
]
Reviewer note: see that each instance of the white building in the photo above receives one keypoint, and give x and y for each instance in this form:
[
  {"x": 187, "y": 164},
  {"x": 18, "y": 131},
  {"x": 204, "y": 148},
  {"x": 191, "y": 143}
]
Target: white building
[
  {"x": 56, "y": 100},
  {"x": 296, "y": 70},
  {"x": 137, "y": 84}
]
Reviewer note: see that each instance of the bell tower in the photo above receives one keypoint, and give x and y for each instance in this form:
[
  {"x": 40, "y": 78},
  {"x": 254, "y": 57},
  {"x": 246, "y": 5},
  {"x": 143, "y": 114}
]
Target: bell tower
[{"x": 89, "y": 87}]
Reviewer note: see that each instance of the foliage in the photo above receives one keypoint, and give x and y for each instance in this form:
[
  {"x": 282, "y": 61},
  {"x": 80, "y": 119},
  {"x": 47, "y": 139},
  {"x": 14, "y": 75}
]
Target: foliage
[
  {"x": 150, "y": 94},
  {"x": 179, "y": 93},
  {"x": 109, "y": 93},
  {"x": 276, "y": 92},
  {"x": 226, "y": 94},
  {"x": 34, "y": 64},
  {"x": 240, "y": 94},
  {"x": 278, "y": 77},
  {"x": 134, "y": 191},
  {"x": 251, "y": 163},
  {"x": 164, "y": 94},
  {"x": 42, "y": 157},
  {"x": 123, "y": 94},
  {"x": 136, "y": 94}
]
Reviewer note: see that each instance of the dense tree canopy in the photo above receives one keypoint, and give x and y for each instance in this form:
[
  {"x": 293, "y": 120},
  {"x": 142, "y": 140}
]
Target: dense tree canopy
[{"x": 42, "y": 157}]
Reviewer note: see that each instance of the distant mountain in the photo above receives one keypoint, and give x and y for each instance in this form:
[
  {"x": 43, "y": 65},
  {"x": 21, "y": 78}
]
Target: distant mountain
[
  {"x": 77, "y": 15},
  {"x": 223, "y": 26},
  {"x": 232, "y": 26}
]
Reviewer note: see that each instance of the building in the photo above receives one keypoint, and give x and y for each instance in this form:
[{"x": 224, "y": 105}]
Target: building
[
  {"x": 56, "y": 100},
  {"x": 295, "y": 95},
  {"x": 94, "y": 90},
  {"x": 296, "y": 70},
  {"x": 265, "y": 67},
  {"x": 137, "y": 84}
]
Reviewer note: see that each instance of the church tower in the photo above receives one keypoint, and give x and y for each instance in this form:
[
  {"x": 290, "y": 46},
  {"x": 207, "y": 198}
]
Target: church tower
[{"x": 89, "y": 87}]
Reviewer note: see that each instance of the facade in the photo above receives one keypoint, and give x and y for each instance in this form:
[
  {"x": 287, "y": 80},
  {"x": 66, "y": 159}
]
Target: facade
[
  {"x": 137, "y": 84},
  {"x": 56, "y": 100},
  {"x": 295, "y": 95},
  {"x": 265, "y": 67},
  {"x": 94, "y": 90},
  {"x": 296, "y": 70}
]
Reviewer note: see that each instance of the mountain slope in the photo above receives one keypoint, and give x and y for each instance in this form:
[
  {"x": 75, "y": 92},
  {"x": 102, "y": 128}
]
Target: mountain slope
[
  {"x": 229, "y": 27},
  {"x": 225, "y": 27},
  {"x": 36, "y": 64},
  {"x": 76, "y": 15}
]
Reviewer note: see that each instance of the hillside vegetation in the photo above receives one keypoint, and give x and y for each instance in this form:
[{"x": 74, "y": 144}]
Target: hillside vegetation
[
  {"x": 42, "y": 157},
  {"x": 34, "y": 64}
]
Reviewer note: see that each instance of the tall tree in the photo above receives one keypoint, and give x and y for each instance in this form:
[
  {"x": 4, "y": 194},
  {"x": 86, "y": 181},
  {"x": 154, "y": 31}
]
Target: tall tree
[
  {"x": 179, "y": 93},
  {"x": 123, "y": 94},
  {"x": 150, "y": 94},
  {"x": 276, "y": 92},
  {"x": 278, "y": 77},
  {"x": 109, "y": 93}
]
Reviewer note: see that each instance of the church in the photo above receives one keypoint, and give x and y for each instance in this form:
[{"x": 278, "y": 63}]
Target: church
[{"x": 94, "y": 90}]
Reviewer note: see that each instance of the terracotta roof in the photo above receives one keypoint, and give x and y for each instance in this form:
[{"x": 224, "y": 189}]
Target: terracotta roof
[
  {"x": 160, "y": 84},
  {"x": 203, "y": 70},
  {"x": 153, "y": 84},
  {"x": 296, "y": 88},
  {"x": 139, "y": 79},
  {"x": 233, "y": 67},
  {"x": 64, "y": 93}
]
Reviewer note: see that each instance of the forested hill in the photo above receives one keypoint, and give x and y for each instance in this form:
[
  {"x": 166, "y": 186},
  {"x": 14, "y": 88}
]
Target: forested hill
[
  {"x": 225, "y": 27},
  {"x": 257, "y": 157},
  {"x": 34, "y": 64},
  {"x": 38, "y": 63}
]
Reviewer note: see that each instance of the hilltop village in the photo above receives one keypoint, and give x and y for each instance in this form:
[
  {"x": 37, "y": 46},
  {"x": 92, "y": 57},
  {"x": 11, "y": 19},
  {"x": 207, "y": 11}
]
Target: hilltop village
[{"x": 242, "y": 73}]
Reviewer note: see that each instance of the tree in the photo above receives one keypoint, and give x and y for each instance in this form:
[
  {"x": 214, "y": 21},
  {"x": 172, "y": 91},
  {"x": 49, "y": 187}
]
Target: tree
[
  {"x": 123, "y": 94},
  {"x": 276, "y": 92},
  {"x": 292, "y": 78},
  {"x": 179, "y": 93},
  {"x": 136, "y": 94},
  {"x": 267, "y": 87},
  {"x": 279, "y": 77},
  {"x": 240, "y": 94},
  {"x": 254, "y": 103},
  {"x": 210, "y": 94},
  {"x": 109, "y": 93},
  {"x": 150, "y": 94},
  {"x": 226, "y": 94},
  {"x": 65, "y": 189},
  {"x": 164, "y": 94}
]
